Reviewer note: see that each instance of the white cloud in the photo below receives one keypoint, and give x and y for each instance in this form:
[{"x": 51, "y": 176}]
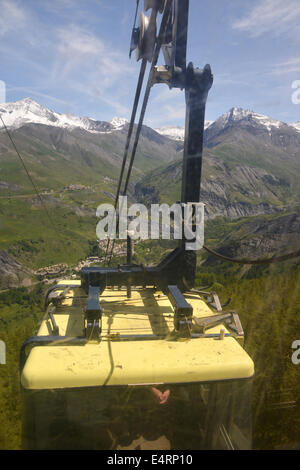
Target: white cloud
[
  {"x": 169, "y": 114},
  {"x": 12, "y": 16},
  {"x": 125, "y": 18},
  {"x": 93, "y": 67},
  {"x": 68, "y": 57},
  {"x": 165, "y": 94},
  {"x": 290, "y": 62},
  {"x": 165, "y": 107},
  {"x": 30, "y": 91},
  {"x": 78, "y": 48},
  {"x": 271, "y": 16},
  {"x": 226, "y": 78},
  {"x": 290, "y": 66}
]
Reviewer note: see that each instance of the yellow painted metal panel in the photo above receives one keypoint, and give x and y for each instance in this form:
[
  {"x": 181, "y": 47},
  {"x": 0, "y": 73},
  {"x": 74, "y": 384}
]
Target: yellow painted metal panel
[{"x": 118, "y": 362}]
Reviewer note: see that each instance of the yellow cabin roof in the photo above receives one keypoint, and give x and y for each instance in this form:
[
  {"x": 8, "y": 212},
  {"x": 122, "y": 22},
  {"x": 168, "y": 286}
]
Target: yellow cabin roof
[{"x": 116, "y": 362}]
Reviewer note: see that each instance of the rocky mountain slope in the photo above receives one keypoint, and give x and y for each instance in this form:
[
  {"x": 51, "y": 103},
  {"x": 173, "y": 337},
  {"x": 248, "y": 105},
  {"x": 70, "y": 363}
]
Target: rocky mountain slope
[
  {"x": 75, "y": 163},
  {"x": 64, "y": 149},
  {"x": 251, "y": 166},
  {"x": 253, "y": 238},
  {"x": 263, "y": 236},
  {"x": 13, "y": 273}
]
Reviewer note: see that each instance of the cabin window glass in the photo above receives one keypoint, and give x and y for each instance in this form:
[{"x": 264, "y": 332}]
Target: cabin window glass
[{"x": 181, "y": 416}]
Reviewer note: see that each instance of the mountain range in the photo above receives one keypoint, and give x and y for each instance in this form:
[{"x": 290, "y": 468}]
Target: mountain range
[
  {"x": 248, "y": 158},
  {"x": 28, "y": 111},
  {"x": 251, "y": 167},
  {"x": 63, "y": 149}
]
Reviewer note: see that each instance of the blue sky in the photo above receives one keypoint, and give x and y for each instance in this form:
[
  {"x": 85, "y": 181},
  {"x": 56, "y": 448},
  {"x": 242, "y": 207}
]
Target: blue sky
[{"x": 72, "y": 56}]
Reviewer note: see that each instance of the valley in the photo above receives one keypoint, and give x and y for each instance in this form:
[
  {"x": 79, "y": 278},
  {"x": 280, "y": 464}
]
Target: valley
[{"x": 251, "y": 168}]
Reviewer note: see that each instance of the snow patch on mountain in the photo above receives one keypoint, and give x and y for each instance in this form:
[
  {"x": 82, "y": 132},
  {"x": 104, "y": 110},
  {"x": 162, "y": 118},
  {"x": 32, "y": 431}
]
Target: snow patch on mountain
[
  {"x": 296, "y": 125},
  {"x": 235, "y": 115},
  {"x": 118, "y": 122},
  {"x": 176, "y": 132},
  {"x": 28, "y": 111}
]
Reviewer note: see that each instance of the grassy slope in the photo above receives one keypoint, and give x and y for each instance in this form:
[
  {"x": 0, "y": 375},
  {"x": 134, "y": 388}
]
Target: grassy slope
[
  {"x": 55, "y": 159},
  {"x": 29, "y": 235}
]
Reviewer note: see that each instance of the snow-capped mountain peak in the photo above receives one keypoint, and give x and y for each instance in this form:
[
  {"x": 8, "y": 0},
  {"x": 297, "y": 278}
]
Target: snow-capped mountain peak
[
  {"x": 28, "y": 101},
  {"x": 24, "y": 111},
  {"x": 28, "y": 111},
  {"x": 118, "y": 122},
  {"x": 238, "y": 114}
]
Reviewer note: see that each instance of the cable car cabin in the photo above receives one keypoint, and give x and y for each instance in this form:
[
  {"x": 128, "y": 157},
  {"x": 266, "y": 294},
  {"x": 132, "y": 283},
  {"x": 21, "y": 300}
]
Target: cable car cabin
[
  {"x": 148, "y": 365},
  {"x": 141, "y": 386}
]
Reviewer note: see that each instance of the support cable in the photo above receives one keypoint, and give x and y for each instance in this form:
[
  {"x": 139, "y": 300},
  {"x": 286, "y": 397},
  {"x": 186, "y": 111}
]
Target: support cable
[
  {"x": 158, "y": 44},
  {"x": 129, "y": 135},
  {"x": 28, "y": 174},
  {"x": 277, "y": 259}
]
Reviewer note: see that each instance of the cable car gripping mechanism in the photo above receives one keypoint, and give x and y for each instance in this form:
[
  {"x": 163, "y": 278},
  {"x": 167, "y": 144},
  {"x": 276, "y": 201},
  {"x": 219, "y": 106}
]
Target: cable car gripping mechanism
[{"x": 179, "y": 267}]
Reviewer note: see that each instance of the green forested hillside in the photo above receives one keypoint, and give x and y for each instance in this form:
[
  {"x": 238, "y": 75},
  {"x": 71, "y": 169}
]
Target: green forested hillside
[
  {"x": 75, "y": 171},
  {"x": 21, "y": 311},
  {"x": 57, "y": 157},
  {"x": 269, "y": 309},
  {"x": 268, "y": 304},
  {"x": 35, "y": 240}
]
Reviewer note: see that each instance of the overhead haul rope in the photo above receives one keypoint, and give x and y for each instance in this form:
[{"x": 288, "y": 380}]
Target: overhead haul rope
[
  {"x": 143, "y": 110},
  {"x": 129, "y": 134},
  {"x": 28, "y": 174},
  {"x": 136, "y": 12},
  {"x": 277, "y": 259}
]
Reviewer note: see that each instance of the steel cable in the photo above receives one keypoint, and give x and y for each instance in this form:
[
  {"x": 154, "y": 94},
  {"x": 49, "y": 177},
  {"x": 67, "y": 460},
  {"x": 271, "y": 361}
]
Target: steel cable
[
  {"x": 277, "y": 259},
  {"x": 28, "y": 174},
  {"x": 129, "y": 135},
  {"x": 158, "y": 44}
]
